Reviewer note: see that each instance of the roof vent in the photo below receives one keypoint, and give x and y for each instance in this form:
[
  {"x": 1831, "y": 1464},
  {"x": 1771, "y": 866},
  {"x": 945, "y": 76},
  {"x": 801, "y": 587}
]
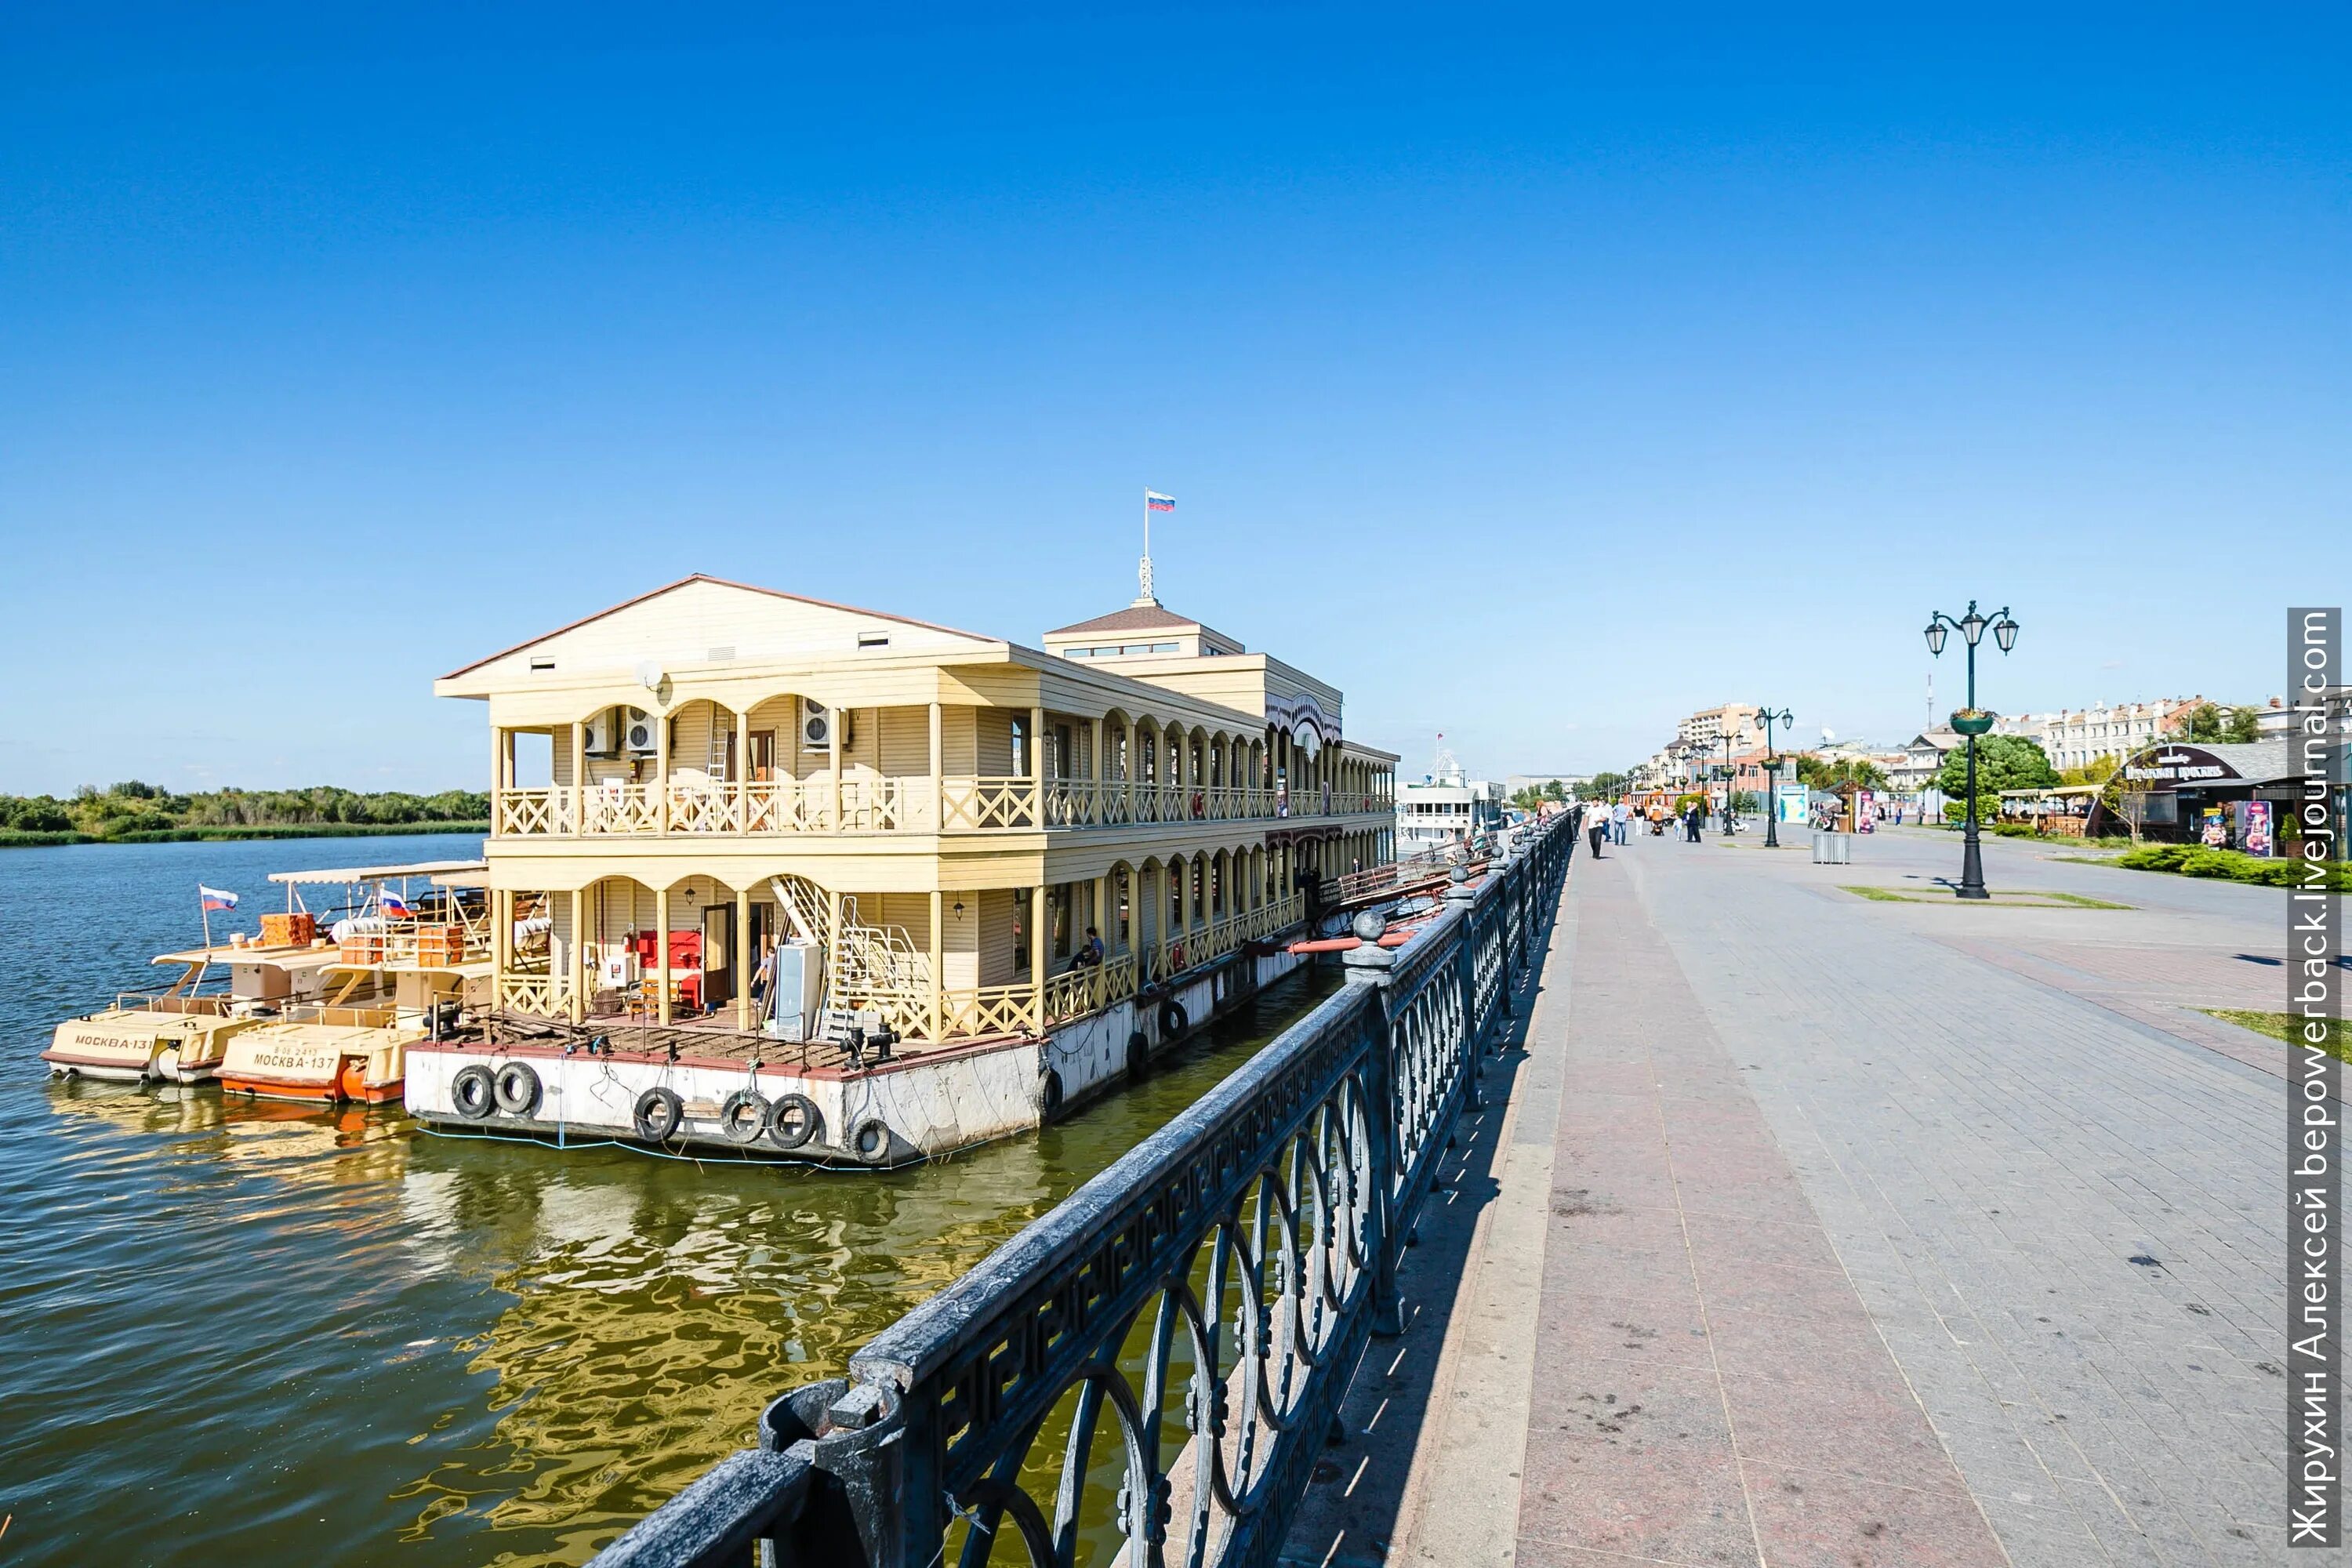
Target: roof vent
[
  {"x": 874, "y": 639},
  {"x": 539, "y": 664},
  {"x": 719, "y": 655}
]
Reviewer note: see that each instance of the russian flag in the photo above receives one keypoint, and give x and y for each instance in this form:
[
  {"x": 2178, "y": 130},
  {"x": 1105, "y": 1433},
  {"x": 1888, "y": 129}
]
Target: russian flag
[
  {"x": 391, "y": 905},
  {"x": 213, "y": 899},
  {"x": 1153, "y": 500}
]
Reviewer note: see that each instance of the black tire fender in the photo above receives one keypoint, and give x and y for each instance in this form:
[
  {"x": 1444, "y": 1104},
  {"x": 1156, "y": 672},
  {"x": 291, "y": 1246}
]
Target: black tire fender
[
  {"x": 660, "y": 1114},
  {"x": 516, "y": 1089},
  {"x": 1049, "y": 1092},
  {"x": 1173, "y": 1019},
  {"x": 474, "y": 1093},
  {"x": 792, "y": 1120},
  {"x": 869, "y": 1141},
  {"x": 743, "y": 1116},
  {"x": 1138, "y": 1053}
]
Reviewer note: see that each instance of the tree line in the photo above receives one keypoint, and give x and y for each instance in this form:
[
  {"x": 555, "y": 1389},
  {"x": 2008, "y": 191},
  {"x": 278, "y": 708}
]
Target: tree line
[{"x": 135, "y": 806}]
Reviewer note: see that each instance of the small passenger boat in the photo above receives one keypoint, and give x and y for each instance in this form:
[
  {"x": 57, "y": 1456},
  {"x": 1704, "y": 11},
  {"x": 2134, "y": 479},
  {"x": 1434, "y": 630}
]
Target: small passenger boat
[
  {"x": 180, "y": 1035},
  {"x": 403, "y": 965}
]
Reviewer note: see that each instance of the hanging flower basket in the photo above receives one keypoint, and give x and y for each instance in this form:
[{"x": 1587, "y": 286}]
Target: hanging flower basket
[{"x": 1973, "y": 720}]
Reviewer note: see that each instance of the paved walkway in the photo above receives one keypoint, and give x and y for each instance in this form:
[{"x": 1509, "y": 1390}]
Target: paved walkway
[{"x": 1826, "y": 1230}]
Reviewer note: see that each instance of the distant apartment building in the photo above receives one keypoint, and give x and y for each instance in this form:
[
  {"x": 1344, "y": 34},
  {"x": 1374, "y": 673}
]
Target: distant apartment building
[
  {"x": 1741, "y": 721},
  {"x": 2077, "y": 737}
]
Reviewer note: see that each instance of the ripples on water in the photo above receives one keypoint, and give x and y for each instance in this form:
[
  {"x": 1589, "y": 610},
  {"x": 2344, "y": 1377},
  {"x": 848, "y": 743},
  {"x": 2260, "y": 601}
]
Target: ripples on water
[{"x": 252, "y": 1332}]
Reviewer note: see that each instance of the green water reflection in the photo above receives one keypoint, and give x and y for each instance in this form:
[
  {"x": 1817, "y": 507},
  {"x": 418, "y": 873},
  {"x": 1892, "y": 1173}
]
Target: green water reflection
[{"x": 412, "y": 1348}]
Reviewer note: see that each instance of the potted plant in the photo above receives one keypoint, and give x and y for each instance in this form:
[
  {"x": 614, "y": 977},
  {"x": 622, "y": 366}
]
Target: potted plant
[{"x": 1973, "y": 720}]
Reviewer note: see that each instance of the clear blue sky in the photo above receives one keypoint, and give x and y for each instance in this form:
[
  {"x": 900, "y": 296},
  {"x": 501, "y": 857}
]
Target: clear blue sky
[{"x": 1536, "y": 376}]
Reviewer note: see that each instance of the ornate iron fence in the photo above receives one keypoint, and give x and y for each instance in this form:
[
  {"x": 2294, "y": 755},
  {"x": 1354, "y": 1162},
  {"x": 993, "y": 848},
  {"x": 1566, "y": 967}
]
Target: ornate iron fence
[{"x": 1168, "y": 1347}]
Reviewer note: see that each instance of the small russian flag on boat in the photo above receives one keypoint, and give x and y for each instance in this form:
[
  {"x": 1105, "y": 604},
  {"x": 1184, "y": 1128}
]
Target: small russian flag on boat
[
  {"x": 391, "y": 905},
  {"x": 1154, "y": 500},
  {"x": 215, "y": 900}
]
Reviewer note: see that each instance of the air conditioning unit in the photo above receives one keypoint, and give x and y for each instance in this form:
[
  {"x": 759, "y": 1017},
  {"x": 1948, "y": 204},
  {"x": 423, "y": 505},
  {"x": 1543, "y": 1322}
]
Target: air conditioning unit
[
  {"x": 816, "y": 727},
  {"x": 603, "y": 736},
  {"x": 638, "y": 732}
]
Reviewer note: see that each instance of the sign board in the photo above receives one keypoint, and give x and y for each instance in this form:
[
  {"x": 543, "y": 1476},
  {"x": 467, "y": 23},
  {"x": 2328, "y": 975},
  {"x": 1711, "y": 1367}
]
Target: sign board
[
  {"x": 2255, "y": 826},
  {"x": 2173, "y": 766},
  {"x": 1796, "y": 802}
]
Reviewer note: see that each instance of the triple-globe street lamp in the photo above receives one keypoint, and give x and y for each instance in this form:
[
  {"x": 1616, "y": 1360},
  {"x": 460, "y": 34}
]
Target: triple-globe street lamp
[
  {"x": 1772, "y": 777},
  {"x": 1971, "y": 721}
]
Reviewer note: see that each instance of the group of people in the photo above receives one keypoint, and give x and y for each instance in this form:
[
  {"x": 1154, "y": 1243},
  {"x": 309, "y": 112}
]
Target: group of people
[{"x": 1604, "y": 823}]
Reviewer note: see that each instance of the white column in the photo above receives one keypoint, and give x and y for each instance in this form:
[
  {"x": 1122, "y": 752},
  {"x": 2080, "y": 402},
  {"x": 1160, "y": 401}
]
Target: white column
[
  {"x": 938, "y": 806},
  {"x": 743, "y": 957},
  {"x": 834, "y": 720},
  {"x": 661, "y": 953},
  {"x": 661, "y": 777},
  {"x": 939, "y": 922},
  {"x": 579, "y": 771},
  {"x": 579, "y": 955}
]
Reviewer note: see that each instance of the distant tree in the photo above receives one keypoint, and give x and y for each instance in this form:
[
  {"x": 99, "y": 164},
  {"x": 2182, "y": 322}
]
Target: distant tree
[
  {"x": 1555, "y": 791},
  {"x": 2209, "y": 724},
  {"x": 1839, "y": 771},
  {"x": 1607, "y": 784},
  {"x": 2003, "y": 762}
]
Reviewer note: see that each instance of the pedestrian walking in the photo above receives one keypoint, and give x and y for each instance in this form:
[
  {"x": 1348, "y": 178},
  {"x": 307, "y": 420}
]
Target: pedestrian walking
[
  {"x": 1693, "y": 820},
  {"x": 1599, "y": 815},
  {"x": 1620, "y": 816}
]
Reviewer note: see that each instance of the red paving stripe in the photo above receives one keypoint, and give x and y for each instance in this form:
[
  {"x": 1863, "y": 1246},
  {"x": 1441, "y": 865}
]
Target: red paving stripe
[{"x": 1708, "y": 1387}]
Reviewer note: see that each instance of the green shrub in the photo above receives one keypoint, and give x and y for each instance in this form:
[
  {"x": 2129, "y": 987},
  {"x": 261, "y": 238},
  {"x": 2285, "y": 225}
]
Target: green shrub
[{"x": 2229, "y": 866}]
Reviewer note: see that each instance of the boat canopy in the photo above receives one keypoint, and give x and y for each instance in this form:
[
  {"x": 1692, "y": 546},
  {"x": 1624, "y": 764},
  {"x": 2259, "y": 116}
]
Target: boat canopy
[{"x": 455, "y": 871}]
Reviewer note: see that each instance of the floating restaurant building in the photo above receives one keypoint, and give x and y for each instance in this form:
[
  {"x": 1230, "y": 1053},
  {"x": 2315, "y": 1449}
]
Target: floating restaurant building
[{"x": 805, "y": 846}]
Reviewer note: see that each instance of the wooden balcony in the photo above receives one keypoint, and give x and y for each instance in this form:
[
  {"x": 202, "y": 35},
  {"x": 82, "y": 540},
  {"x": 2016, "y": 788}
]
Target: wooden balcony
[{"x": 865, "y": 804}]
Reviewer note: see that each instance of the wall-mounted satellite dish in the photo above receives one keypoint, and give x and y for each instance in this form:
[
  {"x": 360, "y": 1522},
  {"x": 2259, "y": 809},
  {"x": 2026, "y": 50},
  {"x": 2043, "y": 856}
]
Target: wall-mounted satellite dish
[{"x": 650, "y": 675}]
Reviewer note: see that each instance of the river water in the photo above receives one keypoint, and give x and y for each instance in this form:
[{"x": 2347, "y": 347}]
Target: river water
[{"x": 261, "y": 1334}]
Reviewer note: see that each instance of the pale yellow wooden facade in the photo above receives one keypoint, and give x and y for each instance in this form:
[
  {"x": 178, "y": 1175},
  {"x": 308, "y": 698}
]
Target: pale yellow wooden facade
[{"x": 949, "y": 812}]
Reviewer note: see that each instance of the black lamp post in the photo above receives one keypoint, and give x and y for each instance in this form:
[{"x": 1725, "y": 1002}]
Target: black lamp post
[
  {"x": 1727, "y": 772},
  {"x": 1771, "y": 777},
  {"x": 1971, "y": 722}
]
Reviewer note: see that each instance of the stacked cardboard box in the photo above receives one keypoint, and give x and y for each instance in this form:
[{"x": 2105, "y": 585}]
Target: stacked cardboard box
[
  {"x": 440, "y": 944},
  {"x": 294, "y": 929}
]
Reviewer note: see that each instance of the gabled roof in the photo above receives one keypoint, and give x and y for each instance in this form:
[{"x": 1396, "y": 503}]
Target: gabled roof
[
  {"x": 715, "y": 582},
  {"x": 1153, "y": 617}
]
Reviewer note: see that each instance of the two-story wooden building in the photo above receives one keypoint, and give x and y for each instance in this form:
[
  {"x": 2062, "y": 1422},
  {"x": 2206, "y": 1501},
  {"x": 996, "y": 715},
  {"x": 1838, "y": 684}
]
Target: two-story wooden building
[{"x": 763, "y": 811}]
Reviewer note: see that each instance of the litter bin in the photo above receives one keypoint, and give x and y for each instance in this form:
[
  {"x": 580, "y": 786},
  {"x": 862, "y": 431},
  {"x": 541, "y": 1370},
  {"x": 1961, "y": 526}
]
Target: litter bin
[{"x": 1832, "y": 849}]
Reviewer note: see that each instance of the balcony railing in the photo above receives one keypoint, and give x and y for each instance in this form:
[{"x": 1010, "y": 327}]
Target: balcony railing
[
  {"x": 1180, "y": 951},
  {"x": 891, "y": 805},
  {"x": 1199, "y": 1307}
]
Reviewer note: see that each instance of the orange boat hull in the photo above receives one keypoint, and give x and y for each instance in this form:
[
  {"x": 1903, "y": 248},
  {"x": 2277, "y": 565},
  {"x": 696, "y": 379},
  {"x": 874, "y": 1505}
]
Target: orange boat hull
[{"x": 349, "y": 1087}]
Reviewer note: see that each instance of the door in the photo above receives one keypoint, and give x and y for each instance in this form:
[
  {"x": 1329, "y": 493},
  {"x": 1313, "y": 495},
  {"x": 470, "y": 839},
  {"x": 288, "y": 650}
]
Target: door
[
  {"x": 718, "y": 955},
  {"x": 763, "y": 756}
]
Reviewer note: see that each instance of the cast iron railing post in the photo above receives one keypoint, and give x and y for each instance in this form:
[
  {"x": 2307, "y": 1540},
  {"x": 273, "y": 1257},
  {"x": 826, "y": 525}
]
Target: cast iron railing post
[{"x": 1370, "y": 965}]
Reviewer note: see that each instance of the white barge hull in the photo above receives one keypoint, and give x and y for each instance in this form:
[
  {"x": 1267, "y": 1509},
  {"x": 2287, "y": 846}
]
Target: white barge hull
[{"x": 896, "y": 1114}]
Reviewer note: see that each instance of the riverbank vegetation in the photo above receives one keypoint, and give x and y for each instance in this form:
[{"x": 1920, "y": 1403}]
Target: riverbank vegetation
[{"x": 140, "y": 812}]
